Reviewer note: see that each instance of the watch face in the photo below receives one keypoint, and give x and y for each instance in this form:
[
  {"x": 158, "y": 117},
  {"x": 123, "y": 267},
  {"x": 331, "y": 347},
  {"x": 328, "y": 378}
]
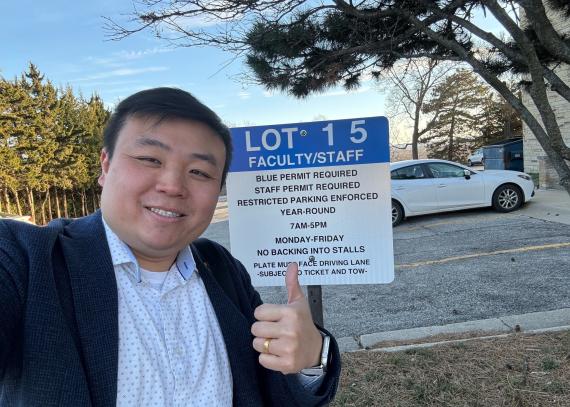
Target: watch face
[{"x": 325, "y": 351}]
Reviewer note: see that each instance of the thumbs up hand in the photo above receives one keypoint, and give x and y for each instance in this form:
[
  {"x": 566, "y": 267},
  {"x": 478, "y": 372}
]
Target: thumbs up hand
[{"x": 285, "y": 335}]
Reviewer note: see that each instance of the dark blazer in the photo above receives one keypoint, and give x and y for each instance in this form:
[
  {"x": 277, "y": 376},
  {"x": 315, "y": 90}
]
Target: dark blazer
[{"x": 59, "y": 323}]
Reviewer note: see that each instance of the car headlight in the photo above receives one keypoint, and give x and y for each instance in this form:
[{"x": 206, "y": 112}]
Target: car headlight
[{"x": 524, "y": 176}]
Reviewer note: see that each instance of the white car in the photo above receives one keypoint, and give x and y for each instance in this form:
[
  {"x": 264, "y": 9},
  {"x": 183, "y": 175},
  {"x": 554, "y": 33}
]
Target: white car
[
  {"x": 428, "y": 186},
  {"x": 476, "y": 158}
]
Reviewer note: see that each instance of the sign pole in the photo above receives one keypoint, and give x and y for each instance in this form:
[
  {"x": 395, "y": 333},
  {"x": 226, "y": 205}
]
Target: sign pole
[{"x": 315, "y": 298}]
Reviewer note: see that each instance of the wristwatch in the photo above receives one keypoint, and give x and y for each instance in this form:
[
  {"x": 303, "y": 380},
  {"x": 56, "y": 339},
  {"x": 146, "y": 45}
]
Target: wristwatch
[{"x": 322, "y": 368}]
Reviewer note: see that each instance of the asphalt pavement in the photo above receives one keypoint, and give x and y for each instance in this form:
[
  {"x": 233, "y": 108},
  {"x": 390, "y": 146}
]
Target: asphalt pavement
[{"x": 475, "y": 270}]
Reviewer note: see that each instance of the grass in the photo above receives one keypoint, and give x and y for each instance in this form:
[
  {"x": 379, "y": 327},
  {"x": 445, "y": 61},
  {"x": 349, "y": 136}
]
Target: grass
[{"x": 518, "y": 370}]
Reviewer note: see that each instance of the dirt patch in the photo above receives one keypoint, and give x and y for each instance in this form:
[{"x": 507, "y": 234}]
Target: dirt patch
[{"x": 518, "y": 370}]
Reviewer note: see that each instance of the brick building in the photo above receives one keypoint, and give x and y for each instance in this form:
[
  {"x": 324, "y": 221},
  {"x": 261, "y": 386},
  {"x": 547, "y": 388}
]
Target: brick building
[{"x": 535, "y": 161}]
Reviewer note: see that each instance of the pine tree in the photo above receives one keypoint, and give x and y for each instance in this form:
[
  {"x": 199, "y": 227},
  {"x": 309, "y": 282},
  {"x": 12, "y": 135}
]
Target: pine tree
[
  {"x": 37, "y": 134},
  {"x": 93, "y": 118},
  {"x": 10, "y": 163},
  {"x": 500, "y": 122},
  {"x": 50, "y": 141},
  {"x": 459, "y": 100}
]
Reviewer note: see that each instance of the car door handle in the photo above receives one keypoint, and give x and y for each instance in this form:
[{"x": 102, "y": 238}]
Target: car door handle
[
  {"x": 399, "y": 188},
  {"x": 442, "y": 186}
]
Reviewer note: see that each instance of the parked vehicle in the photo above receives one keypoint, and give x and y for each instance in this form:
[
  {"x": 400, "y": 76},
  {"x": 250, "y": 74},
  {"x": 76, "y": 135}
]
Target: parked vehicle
[
  {"x": 476, "y": 157},
  {"x": 428, "y": 186},
  {"x": 22, "y": 218}
]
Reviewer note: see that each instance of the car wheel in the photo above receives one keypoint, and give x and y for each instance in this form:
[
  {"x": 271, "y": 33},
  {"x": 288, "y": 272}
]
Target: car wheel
[
  {"x": 507, "y": 198},
  {"x": 469, "y": 163},
  {"x": 397, "y": 213}
]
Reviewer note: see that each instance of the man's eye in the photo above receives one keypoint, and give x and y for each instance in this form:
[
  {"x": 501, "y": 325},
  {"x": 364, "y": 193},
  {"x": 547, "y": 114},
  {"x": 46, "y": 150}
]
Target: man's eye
[
  {"x": 200, "y": 173},
  {"x": 148, "y": 160}
]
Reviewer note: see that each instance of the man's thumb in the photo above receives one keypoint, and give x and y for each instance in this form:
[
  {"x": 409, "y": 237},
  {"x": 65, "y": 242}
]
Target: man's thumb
[{"x": 294, "y": 291}]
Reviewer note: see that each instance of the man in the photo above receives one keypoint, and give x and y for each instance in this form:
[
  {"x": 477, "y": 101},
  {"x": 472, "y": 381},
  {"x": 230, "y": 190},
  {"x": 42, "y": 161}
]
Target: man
[{"x": 119, "y": 308}]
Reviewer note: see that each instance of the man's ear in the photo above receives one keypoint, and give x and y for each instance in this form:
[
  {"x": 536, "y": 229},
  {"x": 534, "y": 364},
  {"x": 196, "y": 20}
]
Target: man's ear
[{"x": 105, "y": 160}]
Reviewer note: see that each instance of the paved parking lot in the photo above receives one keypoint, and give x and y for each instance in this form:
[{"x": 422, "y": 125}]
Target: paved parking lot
[{"x": 452, "y": 268}]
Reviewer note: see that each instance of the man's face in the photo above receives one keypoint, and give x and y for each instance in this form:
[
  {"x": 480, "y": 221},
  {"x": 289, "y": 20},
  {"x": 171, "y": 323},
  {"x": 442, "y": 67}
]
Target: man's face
[{"x": 161, "y": 186}]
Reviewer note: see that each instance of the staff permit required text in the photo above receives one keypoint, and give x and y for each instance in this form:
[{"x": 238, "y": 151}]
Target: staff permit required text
[{"x": 304, "y": 199}]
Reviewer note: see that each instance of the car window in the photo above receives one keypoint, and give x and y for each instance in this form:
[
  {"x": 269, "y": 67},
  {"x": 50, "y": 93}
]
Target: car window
[
  {"x": 410, "y": 172},
  {"x": 444, "y": 170}
]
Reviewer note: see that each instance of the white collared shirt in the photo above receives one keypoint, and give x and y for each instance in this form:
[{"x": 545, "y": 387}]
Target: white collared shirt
[{"x": 171, "y": 349}]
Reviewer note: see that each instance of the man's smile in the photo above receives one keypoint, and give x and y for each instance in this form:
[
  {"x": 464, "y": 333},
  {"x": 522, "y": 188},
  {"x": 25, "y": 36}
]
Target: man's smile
[{"x": 165, "y": 213}]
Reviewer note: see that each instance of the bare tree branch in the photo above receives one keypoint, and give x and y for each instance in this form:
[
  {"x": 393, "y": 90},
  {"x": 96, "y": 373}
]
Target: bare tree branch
[{"x": 302, "y": 47}]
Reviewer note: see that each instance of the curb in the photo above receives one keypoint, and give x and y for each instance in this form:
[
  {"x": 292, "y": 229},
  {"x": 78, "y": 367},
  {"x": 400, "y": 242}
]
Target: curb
[
  {"x": 533, "y": 322},
  {"x": 432, "y": 344}
]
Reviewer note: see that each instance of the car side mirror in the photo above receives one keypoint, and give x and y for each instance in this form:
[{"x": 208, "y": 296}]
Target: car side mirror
[{"x": 467, "y": 174}]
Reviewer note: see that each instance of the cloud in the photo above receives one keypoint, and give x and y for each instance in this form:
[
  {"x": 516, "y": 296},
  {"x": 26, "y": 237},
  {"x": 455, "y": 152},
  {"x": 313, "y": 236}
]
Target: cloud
[
  {"x": 125, "y": 90},
  {"x": 108, "y": 83},
  {"x": 106, "y": 62},
  {"x": 121, "y": 58},
  {"x": 121, "y": 72},
  {"x": 130, "y": 55},
  {"x": 244, "y": 95}
]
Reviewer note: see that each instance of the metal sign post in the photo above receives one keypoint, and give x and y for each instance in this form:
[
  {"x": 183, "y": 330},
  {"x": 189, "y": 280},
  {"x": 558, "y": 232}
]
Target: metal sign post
[{"x": 315, "y": 298}]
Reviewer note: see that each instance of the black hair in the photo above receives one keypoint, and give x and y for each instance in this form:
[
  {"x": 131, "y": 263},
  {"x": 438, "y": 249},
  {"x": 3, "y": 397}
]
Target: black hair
[{"x": 166, "y": 103}]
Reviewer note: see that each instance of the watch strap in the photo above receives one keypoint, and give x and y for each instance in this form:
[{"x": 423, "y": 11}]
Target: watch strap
[{"x": 322, "y": 367}]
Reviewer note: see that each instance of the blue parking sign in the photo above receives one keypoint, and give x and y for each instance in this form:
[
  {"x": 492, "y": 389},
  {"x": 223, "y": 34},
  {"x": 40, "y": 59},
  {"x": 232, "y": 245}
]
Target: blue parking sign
[
  {"x": 315, "y": 193},
  {"x": 313, "y": 144}
]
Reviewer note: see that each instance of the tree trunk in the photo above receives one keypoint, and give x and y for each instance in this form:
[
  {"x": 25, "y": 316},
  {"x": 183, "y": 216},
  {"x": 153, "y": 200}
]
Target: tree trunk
[
  {"x": 83, "y": 205},
  {"x": 415, "y": 154},
  {"x": 64, "y": 198},
  {"x": 538, "y": 93},
  {"x": 94, "y": 199},
  {"x": 50, "y": 210},
  {"x": 57, "y": 203},
  {"x": 73, "y": 208},
  {"x": 451, "y": 131},
  {"x": 43, "y": 207},
  {"x": 31, "y": 205},
  {"x": 416, "y": 133},
  {"x": 17, "y": 199},
  {"x": 548, "y": 136},
  {"x": 7, "y": 200}
]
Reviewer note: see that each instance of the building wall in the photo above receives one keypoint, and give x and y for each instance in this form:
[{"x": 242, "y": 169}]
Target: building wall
[{"x": 535, "y": 160}]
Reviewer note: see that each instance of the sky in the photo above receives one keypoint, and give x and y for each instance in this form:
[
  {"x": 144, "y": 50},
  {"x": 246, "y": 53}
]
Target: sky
[
  {"x": 67, "y": 42},
  {"x": 65, "y": 39}
]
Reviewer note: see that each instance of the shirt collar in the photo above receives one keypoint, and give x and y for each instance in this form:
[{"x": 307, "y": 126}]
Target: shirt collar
[
  {"x": 121, "y": 254},
  {"x": 185, "y": 263}
]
